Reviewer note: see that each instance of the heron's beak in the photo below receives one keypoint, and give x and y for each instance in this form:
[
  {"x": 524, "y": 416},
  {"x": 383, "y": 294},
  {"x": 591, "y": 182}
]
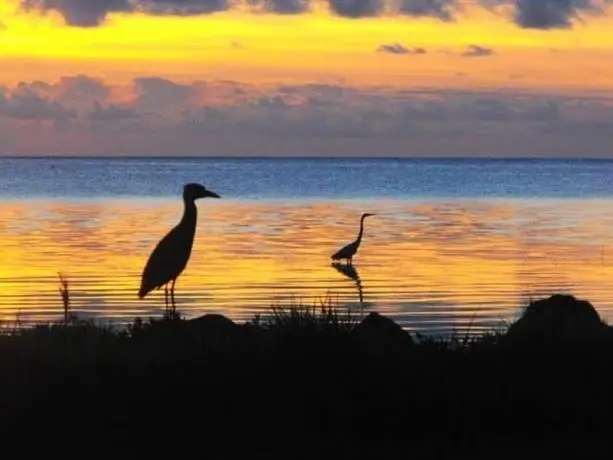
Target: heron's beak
[{"x": 211, "y": 194}]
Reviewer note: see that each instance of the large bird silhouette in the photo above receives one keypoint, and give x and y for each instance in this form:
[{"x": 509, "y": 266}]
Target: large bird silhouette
[
  {"x": 169, "y": 258},
  {"x": 348, "y": 251}
]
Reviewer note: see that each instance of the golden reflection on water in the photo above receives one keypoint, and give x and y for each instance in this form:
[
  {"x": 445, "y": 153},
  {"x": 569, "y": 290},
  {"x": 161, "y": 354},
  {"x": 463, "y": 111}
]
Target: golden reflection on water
[{"x": 432, "y": 265}]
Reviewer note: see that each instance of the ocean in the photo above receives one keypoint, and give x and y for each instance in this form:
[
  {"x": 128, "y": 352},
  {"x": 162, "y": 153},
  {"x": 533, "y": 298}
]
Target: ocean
[{"x": 455, "y": 245}]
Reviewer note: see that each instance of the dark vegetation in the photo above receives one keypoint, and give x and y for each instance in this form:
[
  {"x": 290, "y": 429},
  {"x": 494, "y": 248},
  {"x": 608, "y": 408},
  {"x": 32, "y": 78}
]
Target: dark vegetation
[{"x": 309, "y": 383}]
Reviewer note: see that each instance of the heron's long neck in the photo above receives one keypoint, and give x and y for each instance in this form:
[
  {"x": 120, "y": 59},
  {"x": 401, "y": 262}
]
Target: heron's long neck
[
  {"x": 359, "y": 238},
  {"x": 190, "y": 215}
]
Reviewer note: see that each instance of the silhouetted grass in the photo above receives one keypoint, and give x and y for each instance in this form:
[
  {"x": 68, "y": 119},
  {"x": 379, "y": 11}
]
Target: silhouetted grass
[
  {"x": 325, "y": 313},
  {"x": 300, "y": 381},
  {"x": 65, "y": 295}
]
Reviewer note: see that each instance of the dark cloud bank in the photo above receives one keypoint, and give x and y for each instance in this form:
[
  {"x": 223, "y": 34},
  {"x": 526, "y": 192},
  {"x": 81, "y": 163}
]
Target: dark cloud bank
[
  {"x": 77, "y": 115},
  {"x": 534, "y": 14}
]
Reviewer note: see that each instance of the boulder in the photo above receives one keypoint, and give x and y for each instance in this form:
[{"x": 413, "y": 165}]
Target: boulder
[
  {"x": 381, "y": 335},
  {"x": 213, "y": 321},
  {"x": 559, "y": 318}
]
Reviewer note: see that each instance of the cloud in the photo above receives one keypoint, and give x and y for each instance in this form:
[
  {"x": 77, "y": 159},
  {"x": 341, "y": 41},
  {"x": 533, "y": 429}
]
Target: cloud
[
  {"x": 92, "y": 13},
  {"x": 546, "y": 110},
  {"x": 161, "y": 116},
  {"x": 154, "y": 94},
  {"x": 398, "y": 48},
  {"x": 477, "y": 51},
  {"x": 181, "y": 7},
  {"x": 281, "y": 6},
  {"x": 549, "y": 14},
  {"x": 80, "y": 88},
  {"x": 441, "y": 9},
  {"x": 537, "y": 14},
  {"x": 111, "y": 113},
  {"x": 27, "y": 105},
  {"x": 80, "y": 13},
  {"x": 546, "y": 14},
  {"x": 490, "y": 109},
  {"x": 76, "y": 92},
  {"x": 356, "y": 8}
]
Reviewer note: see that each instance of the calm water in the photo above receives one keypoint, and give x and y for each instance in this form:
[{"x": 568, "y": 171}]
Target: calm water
[{"x": 454, "y": 244}]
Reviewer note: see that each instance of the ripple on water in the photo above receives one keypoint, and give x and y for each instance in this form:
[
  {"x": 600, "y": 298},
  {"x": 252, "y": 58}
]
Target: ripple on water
[{"x": 432, "y": 266}]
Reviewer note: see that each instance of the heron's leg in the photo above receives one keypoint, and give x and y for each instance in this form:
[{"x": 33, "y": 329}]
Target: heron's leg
[
  {"x": 166, "y": 298},
  {"x": 172, "y": 296}
]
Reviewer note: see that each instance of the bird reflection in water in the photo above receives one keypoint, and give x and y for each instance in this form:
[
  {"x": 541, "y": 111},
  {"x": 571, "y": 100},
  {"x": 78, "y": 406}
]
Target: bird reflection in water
[{"x": 352, "y": 273}]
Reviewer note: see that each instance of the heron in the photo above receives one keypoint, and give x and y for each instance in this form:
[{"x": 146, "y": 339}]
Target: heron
[
  {"x": 170, "y": 256},
  {"x": 348, "y": 251}
]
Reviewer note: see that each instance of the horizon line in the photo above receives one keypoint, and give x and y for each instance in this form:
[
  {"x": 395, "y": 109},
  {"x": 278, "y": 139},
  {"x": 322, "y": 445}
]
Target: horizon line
[{"x": 294, "y": 157}]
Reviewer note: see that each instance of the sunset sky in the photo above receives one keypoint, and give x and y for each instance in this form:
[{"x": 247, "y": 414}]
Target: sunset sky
[{"x": 300, "y": 77}]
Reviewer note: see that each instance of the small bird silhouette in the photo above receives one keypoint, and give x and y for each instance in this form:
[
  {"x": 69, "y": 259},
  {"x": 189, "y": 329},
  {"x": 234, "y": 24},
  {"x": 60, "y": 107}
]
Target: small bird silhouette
[
  {"x": 347, "y": 252},
  {"x": 169, "y": 258}
]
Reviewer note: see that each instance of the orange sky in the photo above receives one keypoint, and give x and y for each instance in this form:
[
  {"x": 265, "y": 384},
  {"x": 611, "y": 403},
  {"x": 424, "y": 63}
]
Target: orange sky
[
  {"x": 448, "y": 77},
  {"x": 318, "y": 46}
]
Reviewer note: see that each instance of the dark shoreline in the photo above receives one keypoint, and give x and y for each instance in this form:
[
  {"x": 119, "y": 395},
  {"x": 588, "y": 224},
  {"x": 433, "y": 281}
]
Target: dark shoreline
[{"x": 304, "y": 383}]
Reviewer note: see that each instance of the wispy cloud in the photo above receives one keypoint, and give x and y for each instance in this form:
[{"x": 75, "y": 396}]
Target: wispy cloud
[
  {"x": 397, "y": 48},
  {"x": 477, "y": 51}
]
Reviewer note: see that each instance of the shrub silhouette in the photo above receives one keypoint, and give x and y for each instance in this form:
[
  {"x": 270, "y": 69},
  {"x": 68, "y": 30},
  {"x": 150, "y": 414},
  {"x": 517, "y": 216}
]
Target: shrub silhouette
[{"x": 304, "y": 381}]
